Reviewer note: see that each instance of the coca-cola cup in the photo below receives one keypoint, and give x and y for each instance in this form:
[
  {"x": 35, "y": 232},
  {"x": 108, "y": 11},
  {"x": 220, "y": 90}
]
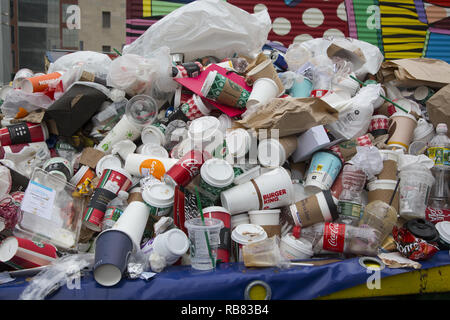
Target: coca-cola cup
[{"x": 186, "y": 169}]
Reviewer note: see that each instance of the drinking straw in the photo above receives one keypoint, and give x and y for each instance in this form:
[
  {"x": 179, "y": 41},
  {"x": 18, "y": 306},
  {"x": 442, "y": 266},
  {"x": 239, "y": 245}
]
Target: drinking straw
[
  {"x": 395, "y": 190},
  {"x": 385, "y": 98},
  {"x": 199, "y": 205},
  {"x": 117, "y": 51}
]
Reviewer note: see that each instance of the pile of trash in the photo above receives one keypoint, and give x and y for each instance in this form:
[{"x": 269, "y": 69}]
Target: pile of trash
[{"x": 207, "y": 145}]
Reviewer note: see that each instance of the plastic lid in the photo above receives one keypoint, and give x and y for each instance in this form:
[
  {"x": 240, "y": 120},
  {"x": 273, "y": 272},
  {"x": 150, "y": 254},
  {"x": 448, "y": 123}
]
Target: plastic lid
[
  {"x": 108, "y": 162},
  {"x": 201, "y": 106},
  {"x": 177, "y": 242},
  {"x": 225, "y": 122},
  {"x": 443, "y": 228},
  {"x": 238, "y": 142},
  {"x": 152, "y": 134},
  {"x": 156, "y": 150},
  {"x": 203, "y": 128},
  {"x": 208, "y": 82},
  {"x": 264, "y": 211},
  {"x": 441, "y": 128},
  {"x": 301, "y": 245},
  {"x": 403, "y": 114},
  {"x": 80, "y": 173},
  {"x": 141, "y": 110},
  {"x": 422, "y": 129},
  {"x": 209, "y": 223},
  {"x": 422, "y": 229},
  {"x": 123, "y": 195},
  {"x": 160, "y": 195},
  {"x": 217, "y": 172},
  {"x": 8, "y": 248},
  {"x": 246, "y": 233},
  {"x": 215, "y": 209}
]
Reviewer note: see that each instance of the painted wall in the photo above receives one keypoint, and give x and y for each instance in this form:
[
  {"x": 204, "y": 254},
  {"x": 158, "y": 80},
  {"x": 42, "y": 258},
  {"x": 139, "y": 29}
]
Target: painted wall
[{"x": 400, "y": 28}]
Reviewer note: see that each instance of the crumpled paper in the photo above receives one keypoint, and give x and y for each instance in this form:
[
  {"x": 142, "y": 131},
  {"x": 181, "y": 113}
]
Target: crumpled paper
[
  {"x": 406, "y": 160},
  {"x": 395, "y": 260}
]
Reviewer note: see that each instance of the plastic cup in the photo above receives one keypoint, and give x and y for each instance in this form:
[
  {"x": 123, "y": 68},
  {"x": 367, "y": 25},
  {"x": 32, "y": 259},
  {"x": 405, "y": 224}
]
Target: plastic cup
[
  {"x": 264, "y": 89},
  {"x": 273, "y": 152},
  {"x": 244, "y": 234},
  {"x": 171, "y": 245},
  {"x": 142, "y": 110},
  {"x": 301, "y": 89},
  {"x": 295, "y": 249},
  {"x": 203, "y": 252},
  {"x": 380, "y": 216},
  {"x": 160, "y": 198},
  {"x": 133, "y": 221},
  {"x": 143, "y": 165},
  {"x": 265, "y": 217},
  {"x": 112, "y": 250},
  {"x": 224, "y": 250},
  {"x": 270, "y": 190}
]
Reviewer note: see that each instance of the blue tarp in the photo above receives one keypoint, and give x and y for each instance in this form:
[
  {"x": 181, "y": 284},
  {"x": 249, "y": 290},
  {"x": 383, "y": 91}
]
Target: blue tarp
[{"x": 227, "y": 282}]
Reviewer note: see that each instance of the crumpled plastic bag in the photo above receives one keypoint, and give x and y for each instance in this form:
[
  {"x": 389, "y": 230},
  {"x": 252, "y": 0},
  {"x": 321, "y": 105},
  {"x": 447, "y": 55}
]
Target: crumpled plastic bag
[
  {"x": 5, "y": 181},
  {"x": 369, "y": 160},
  {"x": 355, "y": 114},
  {"x": 93, "y": 62},
  {"x": 206, "y": 28},
  {"x": 63, "y": 271},
  {"x": 28, "y": 101},
  {"x": 407, "y": 160},
  {"x": 265, "y": 253}
]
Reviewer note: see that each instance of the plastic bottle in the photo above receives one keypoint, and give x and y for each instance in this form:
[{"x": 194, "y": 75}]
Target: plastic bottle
[
  {"x": 350, "y": 201},
  {"x": 114, "y": 210},
  {"x": 438, "y": 151},
  {"x": 339, "y": 238}
]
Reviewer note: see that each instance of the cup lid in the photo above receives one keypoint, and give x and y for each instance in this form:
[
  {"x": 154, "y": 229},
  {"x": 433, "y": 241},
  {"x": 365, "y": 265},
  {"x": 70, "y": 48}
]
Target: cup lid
[
  {"x": 246, "y": 233},
  {"x": 238, "y": 142},
  {"x": 300, "y": 244},
  {"x": 422, "y": 129},
  {"x": 154, "y": 149},
  {"x": 8, "y": 248},
  {"x": 443, "y": 228},
  {"x": 217, "y": 172},
  {"x": 141, "y": 110},
  {"x": 201, "y": 106},
  {"x": 203, "y": 128},
  {"x": 215, "y": 209},
  {"x": 160, "y": 195},
  {"x": 80, "y": 173},
  {"x": 209, "y": 223},
  {"x": 273, "y": 158},
  {"x": 177, "y": 241},
  {"x": 270, "y": 211},
  {"x": 423, "y": 229},
  {"x": 152, "y": 134},
  {"x": 107, "y": 162}
]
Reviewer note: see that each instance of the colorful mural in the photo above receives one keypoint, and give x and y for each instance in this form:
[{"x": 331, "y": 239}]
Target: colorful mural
[{"x": 400, "y": 28}]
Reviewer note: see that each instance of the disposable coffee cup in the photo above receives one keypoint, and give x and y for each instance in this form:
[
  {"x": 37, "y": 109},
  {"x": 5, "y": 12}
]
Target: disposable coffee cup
[
  {"x": 401, "y": 130},
  {"x": 295, "y": 249},
  {"x": 238, "y": 142},
  {"x": 237, "y": 219},
  {"x": 107, "y": 162},
  {"x": 390, "y": 163},
  {"x": 39, "y": 83},
  {"x": 382, "y": 190},
  {"x": 123, "y": 130},
  {"x": 216, "y": 176},
  {"x": 224, "y": 249},
  {"x": 124, "y": 148},
  {"x": 270, "y": 190},
  {"x": 195, "y": 108},
  {"x": 379, "y": 125},
  {"x": 223, "y": 90},
  {"x": 205, "y": 130},
  {"x": 160, "y": 198},
  {"x": 301, "y": 89},
  {"x": 155, "y": 150},
  {"x": 112, "y": 251},
  {"x": 141, "y": 165},
  {"x": 133, "y": 221},
  {"x": 154, "y": 134},
  {"x": 274, "y": 153},
  {"x": 60, "y": 167},
  {"x": 264, "y": 89},
  {"x": 171, "y": 245},
  {"x": 323, "y": 171},
  {"x": 265, "y": 70},
  {"x": 422, "y": 94},
  {"x": 244, "y": 234},
  {"x": 320, "y": 207},
  {"x": 443, "y": 228},
  {"x": 204, "y": 237},
  {"x": 265, "y": 217},
  {"x": 82, "y": 175}
]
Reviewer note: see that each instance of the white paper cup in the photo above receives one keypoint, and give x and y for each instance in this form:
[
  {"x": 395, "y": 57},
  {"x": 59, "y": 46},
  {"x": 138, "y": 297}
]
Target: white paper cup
[
  {"x": 141, "y": 165},
  {"x": 133, "y": 221},
  {"x": 265, "y": 217},
  {"x": 171, "y": 245},
  {"x": 273, "y": 189},
  {"x": 123, "y": 130},
  {"x": 107, "y": 162},
  {"x": 295, "y": 249},
  {"x": 152, "y": 134},
  {"x": 124, "y": 148},
  {"x": 237, "y": 219},
  {"x": 264, "y": 89},
  {"x": 273, "y": 152}
]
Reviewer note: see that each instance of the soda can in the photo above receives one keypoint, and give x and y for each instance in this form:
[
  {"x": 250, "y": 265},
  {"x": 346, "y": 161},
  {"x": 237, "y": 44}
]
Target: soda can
[{"x": 278, "y": 60}]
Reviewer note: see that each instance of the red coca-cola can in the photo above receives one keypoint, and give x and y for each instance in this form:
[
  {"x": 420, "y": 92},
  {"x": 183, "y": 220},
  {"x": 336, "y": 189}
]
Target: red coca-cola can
[
  {"x": 185, "y": 170},
  {"x": 24, "y": 132}
]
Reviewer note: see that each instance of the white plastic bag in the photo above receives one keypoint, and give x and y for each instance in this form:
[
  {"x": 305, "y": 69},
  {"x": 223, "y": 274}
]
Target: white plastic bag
[
  {"x": 93, "y": 62},
  {"x": 355, "y": 115},
  {"x": 208, "y": 27},
  {"x": 29, "y": 101}
]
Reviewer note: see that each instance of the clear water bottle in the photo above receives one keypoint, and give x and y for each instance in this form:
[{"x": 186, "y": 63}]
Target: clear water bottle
[
  {"x": 350, "y": 201},
  {"x": 114, "y": 210},
  {"x": 438, "y": 151}
]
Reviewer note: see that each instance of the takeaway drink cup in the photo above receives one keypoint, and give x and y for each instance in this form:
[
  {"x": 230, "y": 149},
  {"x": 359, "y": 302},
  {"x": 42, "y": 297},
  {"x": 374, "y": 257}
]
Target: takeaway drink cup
[
  {"x": 401, "y": 130},
  {"x": 269, "y": 220},
  {"x": 244, "y": 234},
  {"x": 216, "y": 176},
  {"x": 185, "y": 169},
  {"x": 141, "y": 165},
  {"x": 272, "y": 189},
  {"x": 295, "y": 249},
  {"x": 160, "y": 198},
  {"x": 171, "y": 245},
  {"x": 224, "y": 249},
  {"x": 273, "y": 152},
  {"x": 24, "y": 132},
  {"x": 265, "y": 70},
  {"x": 264, "y": 89},
  {"x": 323, "y": 170},
  {"x": 133, "y": 221}
]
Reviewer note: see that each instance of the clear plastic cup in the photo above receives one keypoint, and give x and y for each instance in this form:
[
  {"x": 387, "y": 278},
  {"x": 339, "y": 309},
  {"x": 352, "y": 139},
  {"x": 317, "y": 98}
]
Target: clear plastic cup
[{"x": 203, "y": 253}]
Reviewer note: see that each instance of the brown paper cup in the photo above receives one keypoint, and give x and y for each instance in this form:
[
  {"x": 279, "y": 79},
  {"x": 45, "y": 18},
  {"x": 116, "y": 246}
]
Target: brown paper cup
[
  {"x": 401, "y": 130},
  {"x": 289, "y": 145},
  {"x": 272, "y": 230},
  {"x": 265, "y": 70},
  {"x": 382, "y": 190}
]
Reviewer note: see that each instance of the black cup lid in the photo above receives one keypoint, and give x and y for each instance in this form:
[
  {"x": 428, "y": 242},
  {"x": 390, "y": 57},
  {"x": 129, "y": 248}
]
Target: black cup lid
[{"x": 422, "y": 229}]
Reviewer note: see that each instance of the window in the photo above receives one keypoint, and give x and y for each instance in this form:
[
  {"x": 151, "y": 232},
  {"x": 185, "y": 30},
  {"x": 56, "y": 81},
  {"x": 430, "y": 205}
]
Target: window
[
  {"x": 13, "y": 39},
  {"x": 106, "y": 48},
  {"x": 81, "y": 45},
  {"x": 106, "y": 17}
]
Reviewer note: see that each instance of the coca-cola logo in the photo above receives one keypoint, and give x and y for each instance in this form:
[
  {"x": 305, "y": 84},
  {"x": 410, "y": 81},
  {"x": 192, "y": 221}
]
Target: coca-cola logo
[
  {"x": 191, "y": 165},
  {"x": 333, "y": 237},
  {"x": 334, "y": 230},
  {"x": 437, "y": 215}
]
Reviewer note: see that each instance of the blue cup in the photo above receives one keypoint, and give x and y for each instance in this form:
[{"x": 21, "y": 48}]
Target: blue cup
[
  {"x": 301, "y": 89},
  {"x": 112, "y": 250},
  {"x": 323, "y": 170}
]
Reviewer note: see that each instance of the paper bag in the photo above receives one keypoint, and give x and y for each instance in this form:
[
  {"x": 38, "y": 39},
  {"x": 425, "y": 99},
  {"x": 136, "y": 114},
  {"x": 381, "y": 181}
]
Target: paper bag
[
  {"x": 438, "y": 107},
  {"x": 291, "y": 115}
]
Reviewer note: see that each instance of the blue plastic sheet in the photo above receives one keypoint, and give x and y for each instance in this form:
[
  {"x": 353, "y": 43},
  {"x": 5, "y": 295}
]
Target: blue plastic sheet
[{"x": 228, "y": 282}]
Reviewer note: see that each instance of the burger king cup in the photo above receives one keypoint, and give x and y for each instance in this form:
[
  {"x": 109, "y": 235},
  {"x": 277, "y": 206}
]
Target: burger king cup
[
  {"x": 245, "y": 234},
  {"x": 264, "y": 89},
  {"x": 133, "y": 221},
  {"x": 272, "y": 189}
]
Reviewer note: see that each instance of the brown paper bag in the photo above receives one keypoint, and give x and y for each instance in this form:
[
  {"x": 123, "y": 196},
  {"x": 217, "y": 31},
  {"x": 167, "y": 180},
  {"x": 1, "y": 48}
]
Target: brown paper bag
[
  {"x": 438, "y": 107},
  {"x": 291, "y": 115}
]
